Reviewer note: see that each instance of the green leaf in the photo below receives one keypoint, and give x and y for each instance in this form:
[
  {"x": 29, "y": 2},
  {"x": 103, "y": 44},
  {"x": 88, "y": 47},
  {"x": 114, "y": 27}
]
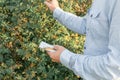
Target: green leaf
[{"x": 1, "y": 58}]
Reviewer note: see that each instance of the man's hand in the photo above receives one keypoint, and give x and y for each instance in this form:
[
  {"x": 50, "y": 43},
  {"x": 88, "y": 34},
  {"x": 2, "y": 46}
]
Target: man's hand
[
  {"x": 52, "y": 4},
  {"x": 55, "y": 56}
]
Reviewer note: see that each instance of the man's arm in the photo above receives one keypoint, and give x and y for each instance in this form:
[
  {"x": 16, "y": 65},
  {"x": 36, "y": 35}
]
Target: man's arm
[{"x": 71, "y": 21}]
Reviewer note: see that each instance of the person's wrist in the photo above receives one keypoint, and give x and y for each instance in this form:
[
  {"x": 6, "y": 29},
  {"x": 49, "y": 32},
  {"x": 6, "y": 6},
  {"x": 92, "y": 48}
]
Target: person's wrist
[
  {"x": 53, "y": 9},
  {"x": 56, "y": 9}
]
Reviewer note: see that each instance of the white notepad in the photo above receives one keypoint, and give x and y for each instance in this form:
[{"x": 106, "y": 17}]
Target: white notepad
[{"x": 46, "y": 46}]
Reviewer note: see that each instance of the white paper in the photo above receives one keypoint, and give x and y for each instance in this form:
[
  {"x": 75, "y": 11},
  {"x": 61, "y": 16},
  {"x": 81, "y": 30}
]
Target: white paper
[{"x": 44, "y": 45}]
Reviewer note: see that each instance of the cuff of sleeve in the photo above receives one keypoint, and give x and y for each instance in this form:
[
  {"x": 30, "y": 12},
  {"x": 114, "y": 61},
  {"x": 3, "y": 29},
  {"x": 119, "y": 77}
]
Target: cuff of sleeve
[
  {"x": 65, "y": 58},
  {"x": 57, "y": 12}
]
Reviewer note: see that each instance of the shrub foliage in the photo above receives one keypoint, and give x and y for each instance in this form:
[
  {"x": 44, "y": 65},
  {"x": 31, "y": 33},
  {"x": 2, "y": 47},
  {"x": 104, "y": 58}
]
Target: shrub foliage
[{"x": 23, "y": 25}]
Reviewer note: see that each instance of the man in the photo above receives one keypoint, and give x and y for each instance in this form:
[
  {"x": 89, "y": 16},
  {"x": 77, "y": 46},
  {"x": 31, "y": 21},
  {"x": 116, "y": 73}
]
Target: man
[{"x": 101, "y": 59}]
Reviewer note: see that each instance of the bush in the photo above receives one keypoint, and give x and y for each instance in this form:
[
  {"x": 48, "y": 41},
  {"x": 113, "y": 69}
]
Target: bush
[{"x": 23, "y": 25}]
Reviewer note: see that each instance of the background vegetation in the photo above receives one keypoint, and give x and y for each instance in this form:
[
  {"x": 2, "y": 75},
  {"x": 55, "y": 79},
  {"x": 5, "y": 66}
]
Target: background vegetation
[{"x": 23, "y": 25}]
